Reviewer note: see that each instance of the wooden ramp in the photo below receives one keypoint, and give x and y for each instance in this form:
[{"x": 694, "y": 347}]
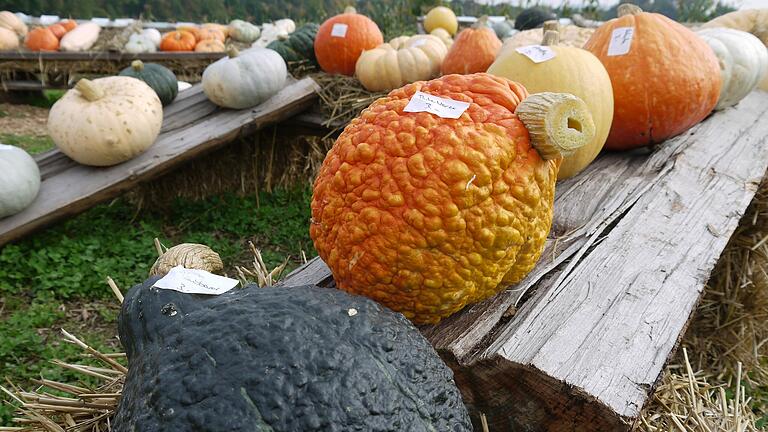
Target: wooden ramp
[
  {"x": 192, "y": 126},
  {"x": 634, "y": 240}
]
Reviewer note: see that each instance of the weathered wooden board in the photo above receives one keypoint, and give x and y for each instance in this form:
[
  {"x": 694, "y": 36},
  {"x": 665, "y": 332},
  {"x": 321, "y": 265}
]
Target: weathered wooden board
[
  {"x": 192, "y": 126},
  {"x": 580, "y": 344},
  {"x": 107, "y": 56}
]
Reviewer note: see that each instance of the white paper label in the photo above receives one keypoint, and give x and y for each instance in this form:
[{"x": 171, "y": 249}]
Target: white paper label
[
  {"x": 537, "y": 53},
  {"x": 621, "y": 40},
  {"x": 443, "y": 107},
  {"x": 195, "y": 282},
  {"x": 339, "y": 30}
]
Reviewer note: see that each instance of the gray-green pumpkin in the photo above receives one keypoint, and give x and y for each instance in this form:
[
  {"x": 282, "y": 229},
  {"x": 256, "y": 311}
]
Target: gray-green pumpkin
[
  {"x": 158, "y": 77},
  {"x": 298, "y": 46}
]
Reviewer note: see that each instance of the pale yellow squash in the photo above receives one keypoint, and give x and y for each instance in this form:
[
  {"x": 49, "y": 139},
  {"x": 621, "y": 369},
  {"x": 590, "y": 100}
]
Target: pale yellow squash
[
  {"x": 10, "y": 21},
  {"x": 441, "y": 17},
  {"x": 106, "y": 121},
  {"x": 572, "y": 70},
  {"x": 753, "y": 21},
  {"x": 401, "y": 61},
  {"x": 443, "y": 35}
]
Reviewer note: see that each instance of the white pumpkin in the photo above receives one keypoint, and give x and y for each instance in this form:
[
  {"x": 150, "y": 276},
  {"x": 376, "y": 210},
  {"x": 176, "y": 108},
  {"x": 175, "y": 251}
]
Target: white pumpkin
[
  {"x": 270, "y": 33},
  {"x": 245, "y": 79},
  {"x": 242, "y": 31},
  {"x": 443, "y": 35},
  {"x": 106, "y": 121},
  {"x": 12, "y": 22},
  {"x": 153, "y": 35},
  {"x": 8, "y": 40},
  {"x": 19, "y": 180},
  {"x": 138, "y": 43},
  {"x": 743, "y": 62},
  {"x": 286, "y": 24},
  {"x": 81, "y": 38},
  {"x": 401, "y": 61}
]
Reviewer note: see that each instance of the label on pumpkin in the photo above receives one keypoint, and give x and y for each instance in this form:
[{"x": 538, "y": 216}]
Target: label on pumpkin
[
  {"x": 439, "y": 106},
  {"x": 537, "y": 53},
  {"x": 621, "y": 40},
  {"x": 193, "y": 281},
  {"x": 339, "y": 30}
]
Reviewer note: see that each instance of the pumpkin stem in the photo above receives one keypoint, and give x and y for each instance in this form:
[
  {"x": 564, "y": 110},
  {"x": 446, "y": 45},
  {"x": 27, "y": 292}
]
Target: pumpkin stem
[
  {"x": 628, "y": 9},
  {"x": 551, "y": 25},
  {"x": 551, "y": 38},
  {"x": 190, "y": 256},
  {"x": 89, "y": 90},
  {"x": 232, "y": 52},
  {"x": 558, "y": 123},
  {"x": 137, "y": 65},
  {"x": 350, "y": 10},
  {"x": 481, "y": 22}
]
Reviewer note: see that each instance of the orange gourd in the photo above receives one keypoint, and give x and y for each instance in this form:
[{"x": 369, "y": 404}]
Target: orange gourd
[
  {"x": 337, "y": 50},
  {"x": 667, "y": 82},
  {"x": 41, "y": 39},
  {"x": 474, "y": 50},
  {"x": 178, "y": 41},
  {"x": 427, "y": 214},
  {"x": 194, "y": 30},
  {"x": 208, "y": 33},
  {"x": 58, "y": 30},
  {"x": 210, "y": 45},
  {"x": 69, "y": 24}
]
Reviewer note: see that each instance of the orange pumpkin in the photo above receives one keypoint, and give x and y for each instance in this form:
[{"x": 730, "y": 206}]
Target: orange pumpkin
[
  {"x": 668, "y": 81},
  {"x": 41, "y": 39},
  {"x": 210, "y": 33},
  {"x": 427, "y": 214},
  {"x": 474, "y": 50},
  {"x": 69, "y": 24},
  {"x": 221, "y": 27},
  {"x": 341, "y": 39},
  {"x": 178, "y": 41},
  {"x": 58, "y": 30},
  {"x": 210, "y": 45}
]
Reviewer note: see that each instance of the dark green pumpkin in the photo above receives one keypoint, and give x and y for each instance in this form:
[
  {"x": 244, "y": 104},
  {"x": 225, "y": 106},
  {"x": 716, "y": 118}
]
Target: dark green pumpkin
[
  {"x": 532, "y": 18},
  {"x": 158, "y": 77},
  {"x": 298, "y": 46}
]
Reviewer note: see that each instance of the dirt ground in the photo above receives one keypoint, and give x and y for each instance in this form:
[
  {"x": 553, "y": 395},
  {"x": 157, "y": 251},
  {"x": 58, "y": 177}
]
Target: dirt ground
[{"x": 23, "y": 120}]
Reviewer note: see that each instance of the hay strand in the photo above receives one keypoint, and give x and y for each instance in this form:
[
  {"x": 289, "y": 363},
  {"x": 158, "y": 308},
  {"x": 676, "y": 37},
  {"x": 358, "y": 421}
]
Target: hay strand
[{"x": 342, "y": 98}]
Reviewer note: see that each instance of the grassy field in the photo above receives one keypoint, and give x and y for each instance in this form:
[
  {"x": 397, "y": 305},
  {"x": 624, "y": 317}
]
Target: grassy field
[{"x": 56, "y": 279}]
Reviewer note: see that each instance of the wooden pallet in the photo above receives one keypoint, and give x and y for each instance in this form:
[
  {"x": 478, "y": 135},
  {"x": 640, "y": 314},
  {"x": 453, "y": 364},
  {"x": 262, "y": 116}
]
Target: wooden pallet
[
  {"x": 192, "y": 126},
  {"x": 580, "y": 344}
]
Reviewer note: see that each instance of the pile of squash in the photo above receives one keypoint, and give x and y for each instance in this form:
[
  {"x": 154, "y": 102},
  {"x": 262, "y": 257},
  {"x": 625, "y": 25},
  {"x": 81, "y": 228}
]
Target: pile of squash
[{"x": 65, "y": 35}]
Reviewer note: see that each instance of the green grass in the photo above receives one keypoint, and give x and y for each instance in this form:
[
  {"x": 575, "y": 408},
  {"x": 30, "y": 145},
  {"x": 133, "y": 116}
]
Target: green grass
[
  {"x": 68, "y": 264},
  {"x": 32, "y": 144}
]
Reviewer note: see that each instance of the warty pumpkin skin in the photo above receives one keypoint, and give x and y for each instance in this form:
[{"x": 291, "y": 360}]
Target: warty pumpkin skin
[
  {"x": 473, "y": 50},
  {"x": 337, "y": 54},
  {"x": 427, "y": 214},
  {"x": 667, "y": 82},
  {"x": 401, "y": 61},
  {"x": 575, "y": 71},
  {"x": 106, "y": 121},
  {"x": 743, "y": 61}
]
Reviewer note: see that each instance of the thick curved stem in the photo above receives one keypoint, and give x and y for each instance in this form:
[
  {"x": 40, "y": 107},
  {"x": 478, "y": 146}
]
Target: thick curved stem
[
  {"x": 232, "y": 52},
  {"x": 89, "y": 90},
  {"x": 350, "y": 10},
  {"x": 628, "y": 9},
  {"x": 551, "y": 25},
  {"x": 558, "y": 123},
  {"x": 551, "y": 38},
  {"x": 190, "y": 256},
  {"x": 137, "y": 65}
]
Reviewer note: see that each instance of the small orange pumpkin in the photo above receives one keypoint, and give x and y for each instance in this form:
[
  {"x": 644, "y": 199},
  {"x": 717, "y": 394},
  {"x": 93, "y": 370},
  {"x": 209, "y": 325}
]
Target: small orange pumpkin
[
  {"x": 194, "y": 30},
  {"x": 178, "y": 41},
  {"x": 69, "y": 24},
  {"x": 58, "y": 30},
  {"x": 473, "y": 51},
  {"x": 210, "y": 45},
  {"x": 341, "y": 39},
  {"x": 41, "y": 39},
  {"x": 220, "y": 27},
  {"x": 208, "y": 33},
  {"x": 668, "y": 81}
]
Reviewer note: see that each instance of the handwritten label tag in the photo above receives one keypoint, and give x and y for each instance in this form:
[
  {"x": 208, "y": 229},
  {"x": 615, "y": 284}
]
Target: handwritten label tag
[
  {"x": 195, "y": 282},
  {"x": 621, "y": 40},
  {"x": 442, "y": 107},
  {"x": 537, "y": 53},
  {"x": 339, "y": 30}
]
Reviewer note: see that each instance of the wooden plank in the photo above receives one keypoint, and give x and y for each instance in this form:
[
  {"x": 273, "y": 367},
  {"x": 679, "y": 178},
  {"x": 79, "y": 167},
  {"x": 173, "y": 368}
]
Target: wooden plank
[
  {"x": 107, "y": 56},
  {"x": 634, "y": 240},
  {"x": 75, "y": 187}
]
